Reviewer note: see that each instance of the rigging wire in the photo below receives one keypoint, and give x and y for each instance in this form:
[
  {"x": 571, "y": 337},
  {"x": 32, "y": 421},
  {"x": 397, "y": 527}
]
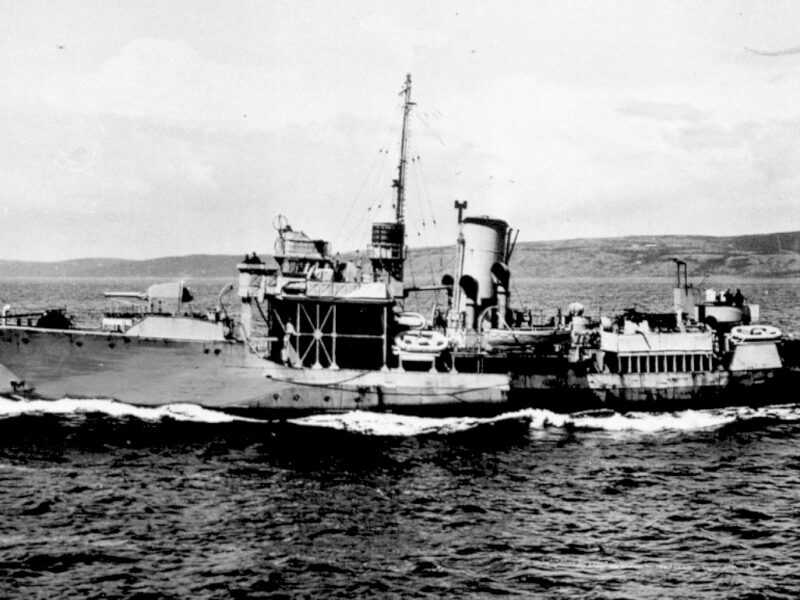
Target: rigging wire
[
  {"x": 408, "y": 256},
  {"x": 436, "y": 238},
  {"x": 424, "y": 187},
  {"x": 378, "y": 191},
  {"x": 424, "y": 182},
  {"x": 434, "y": 133},
  {"x": 372, "y": 189},
  {"x": 358, "y": 195},
  {"x": 426, "y": 238},
  {"x": 523, "y": 302},
  {"x": 374, "y": 198}
]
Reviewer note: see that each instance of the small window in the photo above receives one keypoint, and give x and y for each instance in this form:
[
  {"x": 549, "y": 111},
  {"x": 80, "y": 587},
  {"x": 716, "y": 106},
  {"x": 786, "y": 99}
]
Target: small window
[
  {"x": 634, "y": 364},
  {"x": 661, "y": 363},
  {"x": 670, "y": 363},
  {"x": 651, "y": 364}
]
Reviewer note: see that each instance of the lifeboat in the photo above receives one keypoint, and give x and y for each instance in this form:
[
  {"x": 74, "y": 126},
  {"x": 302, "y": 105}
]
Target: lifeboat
[
  {"x": 412, "y": 320},
  {"x": 518, "y": 338},
  {"x": 755, "y": 333},
  {"x": 421, "y": 342}
]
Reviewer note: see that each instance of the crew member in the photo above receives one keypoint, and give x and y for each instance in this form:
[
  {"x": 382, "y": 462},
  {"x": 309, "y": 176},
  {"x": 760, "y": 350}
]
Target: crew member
[{"x": 738, "y": 298}]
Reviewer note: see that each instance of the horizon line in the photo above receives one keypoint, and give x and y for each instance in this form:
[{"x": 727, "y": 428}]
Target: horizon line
[{"x": 269, "y": 254}]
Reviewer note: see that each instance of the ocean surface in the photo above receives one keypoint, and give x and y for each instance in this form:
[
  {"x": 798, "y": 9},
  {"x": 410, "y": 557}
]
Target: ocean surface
[{"x": 103, "y": 500}]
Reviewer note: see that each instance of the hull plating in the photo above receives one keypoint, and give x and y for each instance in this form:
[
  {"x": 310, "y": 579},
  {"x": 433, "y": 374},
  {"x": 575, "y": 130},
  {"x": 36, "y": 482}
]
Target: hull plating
[
  {"x": 569, "y": 392},
  {"x": 226, "y": 375}
]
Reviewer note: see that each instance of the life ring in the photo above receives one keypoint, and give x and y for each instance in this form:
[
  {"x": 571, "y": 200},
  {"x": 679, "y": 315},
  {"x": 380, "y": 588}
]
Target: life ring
[{"x": 755, "y": 333}]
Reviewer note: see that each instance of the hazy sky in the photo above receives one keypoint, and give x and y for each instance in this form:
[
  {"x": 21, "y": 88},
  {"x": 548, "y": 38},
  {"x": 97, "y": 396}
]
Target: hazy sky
[{"x": 139, "y": 129}]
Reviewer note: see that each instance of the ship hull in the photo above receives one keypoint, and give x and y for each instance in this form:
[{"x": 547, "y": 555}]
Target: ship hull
[
  {"x": 570, "y": 392},
  {"x": 77, "y": 364},
  {"x": 223, "y": 375},
  {"x": 227, "y": 375}
]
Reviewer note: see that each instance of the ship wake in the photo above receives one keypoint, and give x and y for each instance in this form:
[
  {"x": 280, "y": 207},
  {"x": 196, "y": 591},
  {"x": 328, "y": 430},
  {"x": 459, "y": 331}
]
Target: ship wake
[
  {"x": 642, "y": 422},
  {"x": 393, "y": 425},
  {"x": 72, "y": 406}
]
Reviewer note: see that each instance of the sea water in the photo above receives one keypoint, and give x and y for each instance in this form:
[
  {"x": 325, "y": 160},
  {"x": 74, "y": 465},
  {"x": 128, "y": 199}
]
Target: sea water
[{"x": 104, "y": 500}]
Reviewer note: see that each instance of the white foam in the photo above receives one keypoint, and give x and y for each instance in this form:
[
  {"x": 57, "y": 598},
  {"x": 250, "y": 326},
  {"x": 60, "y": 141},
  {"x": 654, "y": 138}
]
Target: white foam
[
  {"x": 386, "y": 424},
  {"x": 65, "y": 406},
  {"x": 688, "y": 420}
]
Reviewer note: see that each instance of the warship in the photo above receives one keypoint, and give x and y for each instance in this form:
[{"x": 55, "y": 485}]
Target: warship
[{"x": 315, "y": 333}]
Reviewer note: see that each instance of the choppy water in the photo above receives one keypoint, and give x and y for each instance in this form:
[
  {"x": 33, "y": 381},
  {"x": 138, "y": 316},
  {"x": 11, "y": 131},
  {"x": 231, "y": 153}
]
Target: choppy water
[{"x": 103, "y": 500}]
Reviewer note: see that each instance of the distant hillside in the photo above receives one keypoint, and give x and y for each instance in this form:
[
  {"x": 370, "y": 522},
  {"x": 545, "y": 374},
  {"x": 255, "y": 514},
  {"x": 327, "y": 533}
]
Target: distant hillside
[
  {"x": 765, "y": 255},
  {"x": 195, "y": 265}
]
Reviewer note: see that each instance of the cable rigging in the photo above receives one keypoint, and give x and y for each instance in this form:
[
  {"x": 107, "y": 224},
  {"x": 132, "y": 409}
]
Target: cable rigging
[{"x": 346, "y": 218}]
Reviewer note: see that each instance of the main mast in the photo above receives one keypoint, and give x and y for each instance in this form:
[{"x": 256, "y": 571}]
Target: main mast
[
  {"x": 400, "y": 182},
  {"x": 387, "y": 252}
]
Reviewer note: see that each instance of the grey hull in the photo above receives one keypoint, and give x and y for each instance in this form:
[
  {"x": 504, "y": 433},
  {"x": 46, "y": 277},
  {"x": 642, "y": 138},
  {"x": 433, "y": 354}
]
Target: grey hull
[
  {"x": 221, "y": 374},
  {"x": 228, "y": 375},
  {"x": 569, "y": 392}
]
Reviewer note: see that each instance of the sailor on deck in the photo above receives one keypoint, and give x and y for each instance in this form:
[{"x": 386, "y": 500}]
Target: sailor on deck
[{"x": 738, "y": 298}]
